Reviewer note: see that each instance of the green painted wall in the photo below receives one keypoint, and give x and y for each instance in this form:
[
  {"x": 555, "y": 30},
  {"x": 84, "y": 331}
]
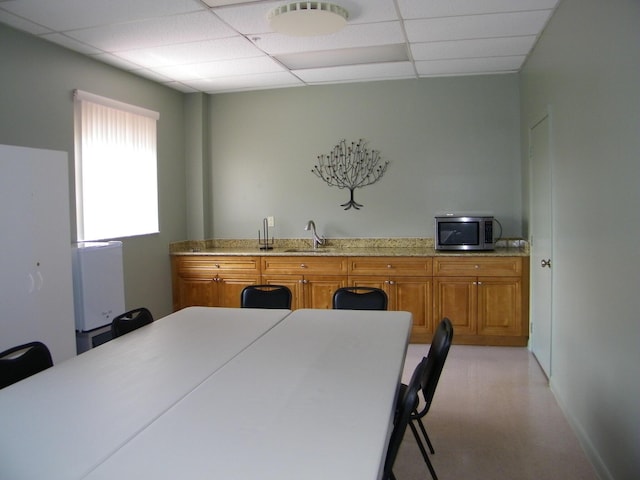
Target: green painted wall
[
  {"x": 37, "y": 79},
  {"x": 453, "y": 144},
  {"x": 587, "y": 69}
]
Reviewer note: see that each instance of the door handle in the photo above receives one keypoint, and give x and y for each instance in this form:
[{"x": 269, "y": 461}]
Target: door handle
[{"x": 545, "y": 263}]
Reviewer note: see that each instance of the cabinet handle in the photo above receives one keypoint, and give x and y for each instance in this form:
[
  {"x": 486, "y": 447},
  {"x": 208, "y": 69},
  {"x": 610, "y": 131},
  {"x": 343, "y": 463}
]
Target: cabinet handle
[
  {"x": 216, "y": 265},
  {"x": 302, "y": 265},
  {"x": 391, "y": 282},
  {"x": 389, "y": 266},
  {"x": 479, "y": 283},
  {"x": 476, "y": 266},
  {"x": 305, "y": 281}
]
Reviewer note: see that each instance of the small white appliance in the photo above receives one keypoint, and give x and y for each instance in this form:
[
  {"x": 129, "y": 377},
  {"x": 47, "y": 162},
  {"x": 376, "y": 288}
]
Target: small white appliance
[{"x": 98, "y": 284}]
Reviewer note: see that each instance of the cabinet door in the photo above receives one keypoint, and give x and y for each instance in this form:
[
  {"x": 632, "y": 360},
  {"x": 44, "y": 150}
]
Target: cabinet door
[
  {"x": 293, "y": 283},
  {"x": 230, "y": 287},
  {"x": 189, "y": 292},
  {"x": 414, "y": 294},
  {"x": 455, "y": 298},
  {"x": 499, "y": 307},
  {"x": 319, "y": 289}
]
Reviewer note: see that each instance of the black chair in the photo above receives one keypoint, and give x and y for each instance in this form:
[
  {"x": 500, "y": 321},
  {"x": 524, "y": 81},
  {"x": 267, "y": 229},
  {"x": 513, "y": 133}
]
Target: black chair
[
  {"x": 359, "y": 298},
  {"x": 20, "y": 362},
  {"x": 436, "y": 358},
  {"x": 265, "y": 296},
  {"x": 407, "y": 400},
  {"x": 130, "y": 321}
]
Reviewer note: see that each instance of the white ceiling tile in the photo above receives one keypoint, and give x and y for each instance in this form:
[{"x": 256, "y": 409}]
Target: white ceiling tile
[
  {"x": 22, "y": 24},
  {"x": 357, "y": 72},
  {"x": 248, "y": 19},
  {"x": 476, "y": 26},
  {"x": 194, "y": 52},
  {"x": 70, "y": 43},
  {"x": 352, "y": 36},
  {"x": 218, "y": 3},
  {"x": 246, "y": 82},
  {"x": 469, "y": 66},
  {"x": 229, "y": 43},
  {"x": 345, "y": 56},
  {"x": 73, "y": 14},
  {"x": 450, "y": 8},
  {"x": 225, "y": 68},
  {"x": 152, "y": 75},
  {"x": 484, "y": 47},
  {"x": 116, "y": 61},
  {"x": 153, "y": 32}
]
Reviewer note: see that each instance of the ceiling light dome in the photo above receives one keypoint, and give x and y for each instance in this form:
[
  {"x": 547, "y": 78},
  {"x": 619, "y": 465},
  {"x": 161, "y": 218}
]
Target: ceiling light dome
[{"x": 302, "y": 19}]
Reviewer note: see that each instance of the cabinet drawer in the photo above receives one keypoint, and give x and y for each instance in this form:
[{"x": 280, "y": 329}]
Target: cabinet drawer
[
  {"x": 304, "y": 265},
  {"x": 205, "y": 266},
  {"x": 398, "y": 266},
  {"x": 477, "y": 266}
]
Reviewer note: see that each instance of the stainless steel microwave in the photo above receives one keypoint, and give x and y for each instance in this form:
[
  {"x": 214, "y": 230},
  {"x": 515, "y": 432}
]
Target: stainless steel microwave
[{"x": 462, "y": 232}]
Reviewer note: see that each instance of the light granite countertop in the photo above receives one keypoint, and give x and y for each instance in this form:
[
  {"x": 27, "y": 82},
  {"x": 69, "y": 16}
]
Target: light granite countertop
[{"x": 384, "y": 247}]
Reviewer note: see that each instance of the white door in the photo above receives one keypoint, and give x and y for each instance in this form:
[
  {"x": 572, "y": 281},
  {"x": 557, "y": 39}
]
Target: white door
[{"x": 541, "y": 243}]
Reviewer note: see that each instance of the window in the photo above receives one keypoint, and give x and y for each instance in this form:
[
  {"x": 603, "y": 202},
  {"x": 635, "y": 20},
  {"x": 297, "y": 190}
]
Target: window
[{"x": 116, "y": 168}]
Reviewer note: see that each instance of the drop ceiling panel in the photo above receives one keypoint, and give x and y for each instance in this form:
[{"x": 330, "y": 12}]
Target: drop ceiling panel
[
  {"x": 74, "y": 14},
  {"x": 70, "y": 43},
  {"x": 193, "y": 52},
  {"x": 476, "y": 26},
  {"x": 228, "y": 45},
  {"x": 154, "y": 32},
  {"x": 223, "y": 68},
  {"x": 357, "y": 72},
  {"x": 484, "y": 47},
  {"x": 245, "y": 82},
  {"x": 469, "y": 66},
  {"x": 352, "y": 36},
  {"x": 453, "y": 8},
  {"x": 22, "y": 24}
]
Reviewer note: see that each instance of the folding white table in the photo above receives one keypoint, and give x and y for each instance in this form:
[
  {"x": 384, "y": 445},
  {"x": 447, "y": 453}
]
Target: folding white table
[
  {"x": 313, "y": 398},
  {"x": 65, "y": 421}
]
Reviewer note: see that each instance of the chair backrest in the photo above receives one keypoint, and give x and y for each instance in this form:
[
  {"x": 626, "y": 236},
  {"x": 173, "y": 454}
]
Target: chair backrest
[
  {"x": 359, "y": 298},
  {"x": 265, "y": 296},
  {"x": 402, "y": 417},
  {"x": 130, "y": 321},
  {"x": 438, "y": 351},
  {"x": 23, "y": 361}
]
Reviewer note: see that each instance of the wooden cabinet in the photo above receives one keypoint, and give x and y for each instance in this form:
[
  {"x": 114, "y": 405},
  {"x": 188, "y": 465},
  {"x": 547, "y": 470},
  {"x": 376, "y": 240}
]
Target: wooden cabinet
[
  {"x": 212, "y": 281},
  {"x": 312, "y": 280},
  {"x": 486, "y": 298},
  {"x": 408, "y": 284}
]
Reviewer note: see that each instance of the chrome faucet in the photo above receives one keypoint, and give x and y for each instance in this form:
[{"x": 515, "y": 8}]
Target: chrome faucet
[{"x": 317, "y": 241}]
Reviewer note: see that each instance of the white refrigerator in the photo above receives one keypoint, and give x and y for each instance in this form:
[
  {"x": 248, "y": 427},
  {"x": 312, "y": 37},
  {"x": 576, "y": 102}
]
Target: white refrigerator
[{"x": 98, "y": 289}]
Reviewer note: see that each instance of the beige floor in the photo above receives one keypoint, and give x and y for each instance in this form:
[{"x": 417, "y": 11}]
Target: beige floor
[{"x": 493, "y": 417}]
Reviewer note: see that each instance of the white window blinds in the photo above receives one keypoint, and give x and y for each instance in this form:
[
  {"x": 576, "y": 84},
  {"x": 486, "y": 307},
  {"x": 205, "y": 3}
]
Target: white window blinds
[{"x": 116, "y": 168}]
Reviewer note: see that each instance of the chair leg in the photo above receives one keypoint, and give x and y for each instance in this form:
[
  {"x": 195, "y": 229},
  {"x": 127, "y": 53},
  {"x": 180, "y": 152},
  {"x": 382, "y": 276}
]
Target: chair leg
[
  {"x": 423, "y": 451},
  {"x": 426, "y": 437}
]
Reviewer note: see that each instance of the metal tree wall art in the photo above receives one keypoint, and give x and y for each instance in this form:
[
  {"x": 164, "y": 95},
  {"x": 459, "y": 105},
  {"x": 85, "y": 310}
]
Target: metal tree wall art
[{"x": 350, "y": 166}]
